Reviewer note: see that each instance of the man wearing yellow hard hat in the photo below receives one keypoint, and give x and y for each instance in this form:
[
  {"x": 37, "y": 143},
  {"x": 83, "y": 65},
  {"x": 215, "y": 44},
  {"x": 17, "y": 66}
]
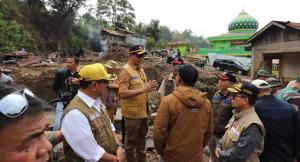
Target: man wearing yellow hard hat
[
  {"x": 88, "y": 131},
  {"x": 133, "y": 90}
]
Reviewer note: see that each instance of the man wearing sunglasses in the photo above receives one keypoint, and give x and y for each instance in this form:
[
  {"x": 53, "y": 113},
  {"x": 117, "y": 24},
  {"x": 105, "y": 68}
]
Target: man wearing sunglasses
[
  {"x": 22, "y": 126},
  {"x": 244, "y": 138},
  {"x": 133, "y": 90},
  {"x": 88, "y": 131}
]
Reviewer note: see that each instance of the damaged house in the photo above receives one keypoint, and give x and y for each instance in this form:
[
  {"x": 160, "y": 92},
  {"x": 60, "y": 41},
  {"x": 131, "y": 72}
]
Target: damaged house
[
  {"x": 276, "y": 48},
  {"x": 120, "y": 37}
]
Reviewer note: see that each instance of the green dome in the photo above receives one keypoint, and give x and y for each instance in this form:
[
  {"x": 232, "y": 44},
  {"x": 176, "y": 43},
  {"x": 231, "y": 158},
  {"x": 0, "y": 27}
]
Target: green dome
[{"x": 243, "y": 23}]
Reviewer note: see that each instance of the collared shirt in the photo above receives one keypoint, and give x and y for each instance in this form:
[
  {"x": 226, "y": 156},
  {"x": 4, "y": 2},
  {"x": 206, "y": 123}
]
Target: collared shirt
[
  {"x": 78, "y": 133},
  {"x": 162, "y": 87},
  {"x": 5, "y": 79}
]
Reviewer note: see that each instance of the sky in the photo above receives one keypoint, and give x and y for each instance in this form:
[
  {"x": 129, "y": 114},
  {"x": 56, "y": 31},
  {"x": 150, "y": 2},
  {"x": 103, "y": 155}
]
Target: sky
[{"x": 211, "y": 17}]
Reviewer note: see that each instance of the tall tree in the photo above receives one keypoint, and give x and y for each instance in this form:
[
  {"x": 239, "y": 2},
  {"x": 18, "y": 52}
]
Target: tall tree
[
  {"x": 165, "y": 34},
  {"x": 153, "y": 30},
  {"x": 116, "y": 13},
  {"x": 63, "y": 14}
]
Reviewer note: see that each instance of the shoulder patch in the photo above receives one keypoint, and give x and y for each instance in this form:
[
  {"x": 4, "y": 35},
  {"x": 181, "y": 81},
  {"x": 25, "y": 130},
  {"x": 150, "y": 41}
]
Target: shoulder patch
[{"x": 94, "y": 116}]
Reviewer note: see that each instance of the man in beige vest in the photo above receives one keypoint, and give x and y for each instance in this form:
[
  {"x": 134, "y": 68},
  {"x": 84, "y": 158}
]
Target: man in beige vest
[
  {"x": 88, "y": 131},
  {"x": 243, "y": 140},
  {"x": 133, "y": 90}
]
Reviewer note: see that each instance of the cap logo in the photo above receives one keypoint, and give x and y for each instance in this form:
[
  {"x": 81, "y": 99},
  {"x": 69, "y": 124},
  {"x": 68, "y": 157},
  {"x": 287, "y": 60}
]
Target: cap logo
[
  {"x": 136, "y": 51},
  {"x": 247, "y": 91}
]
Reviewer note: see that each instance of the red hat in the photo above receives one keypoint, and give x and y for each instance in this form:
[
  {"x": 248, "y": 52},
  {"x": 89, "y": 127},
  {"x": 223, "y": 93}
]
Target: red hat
[
  {"x": 227, "y": 76},
  {"x": 177, "y": 61}
]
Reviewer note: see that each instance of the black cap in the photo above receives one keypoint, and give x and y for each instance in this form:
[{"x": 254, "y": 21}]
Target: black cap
[
  {"x": 137, "y": 50},
  {"x": 227, "y": 76},
  {"x": 247, "y": 89},
  {"x": 188, "y": 74}
]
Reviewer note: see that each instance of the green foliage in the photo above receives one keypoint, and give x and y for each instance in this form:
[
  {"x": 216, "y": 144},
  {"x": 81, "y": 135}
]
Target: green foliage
[
  {"x": 78, "y": 38},
  {"x": 153, "y": 30},
  {"x": 86, "y": 33},
  {"x": 160, "y": 35},
  {"x": 117, "y": 13},
  {"x": 151, "y": 43},
  {"x": 12, "y": 36}
]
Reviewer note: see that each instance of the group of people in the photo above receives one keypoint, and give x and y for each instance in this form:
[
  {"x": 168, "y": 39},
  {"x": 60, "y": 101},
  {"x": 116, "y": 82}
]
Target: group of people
[
  {"x": 252, "y": 122},
  {"x": 243, "y": 122}
]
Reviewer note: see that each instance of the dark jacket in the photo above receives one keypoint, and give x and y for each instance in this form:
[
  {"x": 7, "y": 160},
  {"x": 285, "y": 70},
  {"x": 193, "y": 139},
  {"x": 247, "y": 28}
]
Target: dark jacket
[
  {"x": 221, "y": 105},
  {"x": 282, "y": 126},
  {"x": 59, "y": 85}
]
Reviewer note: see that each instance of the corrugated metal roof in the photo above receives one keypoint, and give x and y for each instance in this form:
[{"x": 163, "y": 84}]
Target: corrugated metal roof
[
  {"x": 113, "y": 32},
  {"x": 281, "y": 24}
]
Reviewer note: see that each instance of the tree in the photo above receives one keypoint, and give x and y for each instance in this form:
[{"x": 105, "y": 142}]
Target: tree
[
  {"x": 165, "y": 34},
  {"x": 63, "y": 14},
  {"x": 153, "y": 30},
  {"x": 140, "y": 29},
  {"x": 116, "y": 13}
]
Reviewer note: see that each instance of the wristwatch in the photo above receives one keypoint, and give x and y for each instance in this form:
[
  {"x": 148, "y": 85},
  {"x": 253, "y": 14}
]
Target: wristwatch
[{"x": 120, "y": 145}]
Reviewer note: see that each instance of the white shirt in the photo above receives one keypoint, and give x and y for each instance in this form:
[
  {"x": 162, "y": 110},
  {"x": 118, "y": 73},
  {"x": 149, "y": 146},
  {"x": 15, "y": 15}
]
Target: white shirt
[
  {"x": 5, "y": 79},
  {"x": 78, "y": 133}
]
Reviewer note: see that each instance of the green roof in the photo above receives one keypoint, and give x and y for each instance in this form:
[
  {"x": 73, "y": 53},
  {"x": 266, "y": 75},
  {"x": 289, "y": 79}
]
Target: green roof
[
  {"x": 231, "y": 36},
  {"x": 243, "y": 21},
  {"x": 232, "y": 52}
]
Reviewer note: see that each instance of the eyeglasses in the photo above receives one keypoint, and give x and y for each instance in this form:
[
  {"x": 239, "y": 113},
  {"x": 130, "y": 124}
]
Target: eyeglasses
[
  {"x": 15, "y": 104},
  {"x": 104, "y": 81}
]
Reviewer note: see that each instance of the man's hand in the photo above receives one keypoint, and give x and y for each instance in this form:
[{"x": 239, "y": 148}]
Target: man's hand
[
  {"x": 120, "y": 154},
  {"x": 150, "y": 86},
  {"x": 75, "y": 81},
  {"x": 218, "y": 151}
]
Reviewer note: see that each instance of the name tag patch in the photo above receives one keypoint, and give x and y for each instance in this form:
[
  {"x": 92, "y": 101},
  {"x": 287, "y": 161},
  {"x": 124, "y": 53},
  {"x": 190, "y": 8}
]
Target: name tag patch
[
  {"x": 194, "y": 110},
  {"x": 135, "y": 77},
  {"x": 94, "y": 116}
]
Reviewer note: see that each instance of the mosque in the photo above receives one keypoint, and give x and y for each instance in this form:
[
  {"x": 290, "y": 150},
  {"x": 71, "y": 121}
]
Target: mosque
[{"x": 233, "y": 43}]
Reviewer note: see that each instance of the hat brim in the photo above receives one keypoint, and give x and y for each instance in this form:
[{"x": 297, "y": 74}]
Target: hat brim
[
  {"x": 233, "y": 90},
  {"x": 108, "y": 66},
  {"x": 220, "y": 76},
  {"x": 138, "y": 52},
  {"x": 112, "y": 77},
  {"x": 142, "y": 53}
]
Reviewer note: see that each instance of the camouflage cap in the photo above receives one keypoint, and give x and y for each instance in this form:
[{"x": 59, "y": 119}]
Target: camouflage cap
[
  {"x": 263, "y": 72},
  {"x": 273, "y": 82}
]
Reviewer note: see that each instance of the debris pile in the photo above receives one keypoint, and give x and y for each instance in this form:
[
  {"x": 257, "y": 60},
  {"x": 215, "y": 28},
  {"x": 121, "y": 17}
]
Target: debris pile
[{"x": 117, "y": 53}]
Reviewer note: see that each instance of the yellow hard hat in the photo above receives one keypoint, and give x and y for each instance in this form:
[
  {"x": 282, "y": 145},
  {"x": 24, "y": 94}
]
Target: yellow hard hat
[{"x": 93, "y": 72}]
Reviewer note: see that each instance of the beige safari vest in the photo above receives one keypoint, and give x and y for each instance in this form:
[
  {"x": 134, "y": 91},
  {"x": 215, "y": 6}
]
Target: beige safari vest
[
  {"x": 135, "y": 107},
  {"x": 100, "y": 126},
  {"x": 238, "y": 123}
]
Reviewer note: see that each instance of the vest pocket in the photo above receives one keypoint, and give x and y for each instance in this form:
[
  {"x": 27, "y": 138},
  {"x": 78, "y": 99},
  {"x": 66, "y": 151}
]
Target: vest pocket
[{"x": 233, "y": 134}]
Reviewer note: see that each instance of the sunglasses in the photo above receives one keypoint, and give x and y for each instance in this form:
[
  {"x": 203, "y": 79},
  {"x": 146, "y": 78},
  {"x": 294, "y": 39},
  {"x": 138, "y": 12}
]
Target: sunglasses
[
  {"x": 104, "y": 81},
  {"x": 15, "y": 104}
]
